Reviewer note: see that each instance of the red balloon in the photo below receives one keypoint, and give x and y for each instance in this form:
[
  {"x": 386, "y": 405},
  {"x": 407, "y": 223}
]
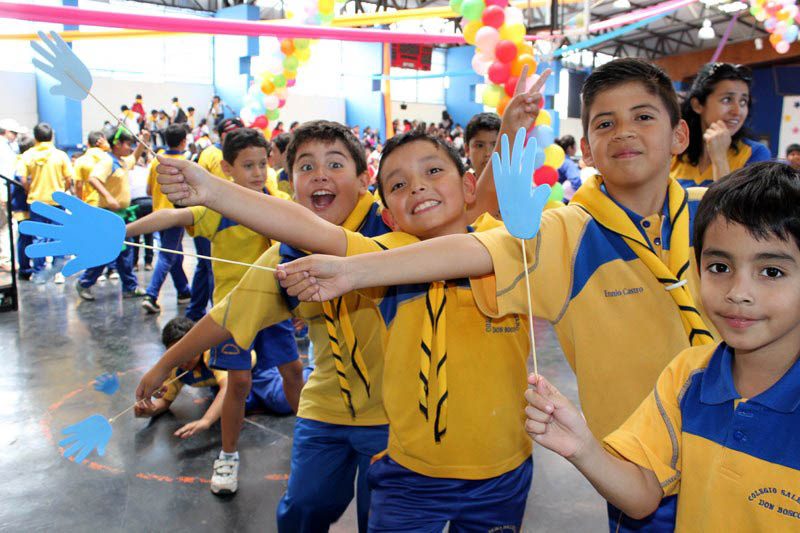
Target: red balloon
[
  {"x": 498, "y": 3},
  {"x": 260, "y": 122},
  {"x": 291, "y": 82},
  {"x": 493, "y": 16},
  {"x": 545, "y": 175},
  {"x": 511, "y": 84},
  {"x": 281, "y": 103},
  {"x": 505, "y": 51},
  {"x": 498, "y": 72}
]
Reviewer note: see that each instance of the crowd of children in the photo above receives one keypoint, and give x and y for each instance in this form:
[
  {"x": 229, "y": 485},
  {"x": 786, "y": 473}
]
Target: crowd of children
[{"x": 676, "y": 306}]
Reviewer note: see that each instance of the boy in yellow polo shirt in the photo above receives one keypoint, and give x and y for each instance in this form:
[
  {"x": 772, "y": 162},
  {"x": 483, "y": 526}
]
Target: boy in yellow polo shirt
[
  {"x": 245, "y": 160},
  {"x": 98, "y": 150},
  {"x": 612, "y": 271},
  {"x": 45, "y": 170},
  {"x": 720, "y": 428}
]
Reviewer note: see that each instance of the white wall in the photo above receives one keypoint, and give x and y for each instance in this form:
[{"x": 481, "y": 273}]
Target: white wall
[
  {"x": 571, "y": 126},
  {"x": 303, "y": 107},
  {"x": 420, "y": 112},
  {"x": 18, "y": 98}
]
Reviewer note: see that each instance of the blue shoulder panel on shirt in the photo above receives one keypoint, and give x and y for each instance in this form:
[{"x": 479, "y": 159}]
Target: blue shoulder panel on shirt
[
  {"x": 758, "y": 152},
  {"x": 598, "y": 246},
  {"x": 225, "y": 223}
]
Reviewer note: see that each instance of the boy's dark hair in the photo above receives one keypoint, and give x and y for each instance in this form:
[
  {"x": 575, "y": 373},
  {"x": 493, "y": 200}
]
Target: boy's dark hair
[
  {"x": 138, "y": 97},
  {"x": 175, "y": 330},
  {"x": 119, "y": 135},
  {"x": 414, "y": 135},
  {"x": 229, "y": 124},
  {"x": 242, "y": 138},
  {"x": 708, "y": 78},
  {"x": 174, "y": 135},
  {"x": 124, "y": 108},
  {"x": 190, "y": 109},
  {"x": 566, "y": 142},
  {"x": 763, "y": 197},
  {"x": 629, "y": 70},
  {"x": 43, "y": 132},
  {"x": 326, "y": 132},
  {"x": 282, "y": 141},
  {"x": 792, "y": 148},
  {"x": 154, "y": 111},
  {"x": 94, "y": 137},
  {"x": 25, "y": 142},
  {"x": 174, "y": 98},
  {"x": 216, "y": 96},
  {"x": 481, "y": 122}
]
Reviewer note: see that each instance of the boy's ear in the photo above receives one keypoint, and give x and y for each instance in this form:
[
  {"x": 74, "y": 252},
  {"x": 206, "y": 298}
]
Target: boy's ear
[
  {"x": 364, "y": 179},
  {"x": 697, "y": 107},
  {"x": 680, "y": 137},
  {"x": 586, "y": 152},
  {"x": 470, "y": 186},
  {"x": 227, "y": 168},
  {"x": 388, "y": 219}
]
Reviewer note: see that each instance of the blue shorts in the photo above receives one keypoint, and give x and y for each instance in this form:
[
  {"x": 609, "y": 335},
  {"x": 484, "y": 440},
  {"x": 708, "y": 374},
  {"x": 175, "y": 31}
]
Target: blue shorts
[
  {"x": 663, "y": 519},
  {"x": 403, "y": 500},
  {"x": 274, "y": 346}
]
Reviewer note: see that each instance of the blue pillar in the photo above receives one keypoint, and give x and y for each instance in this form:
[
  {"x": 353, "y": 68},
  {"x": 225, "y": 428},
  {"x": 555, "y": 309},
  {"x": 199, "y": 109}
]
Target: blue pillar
[
  {"x": 460, "y": 96},
  {"x": 551, "y": 88},
  {"x": 364, "y": 100},
  {"x": 232, "y": 57},
  {"x": 64, "y": 114}
]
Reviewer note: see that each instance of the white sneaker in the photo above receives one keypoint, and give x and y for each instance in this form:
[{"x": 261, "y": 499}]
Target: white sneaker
[
  {"x": 101, "y": 278},
  {"x": 226, "y": 476},
  {"x": 114, "y": 275},
  {"x": 59, "y": 279}
]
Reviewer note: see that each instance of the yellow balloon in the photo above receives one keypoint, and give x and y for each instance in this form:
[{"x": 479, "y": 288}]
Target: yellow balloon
[
  {"x": 267, "y": 86},
  {"x": 290, "y": 74},
  {"x": 302, "y": 54},
  {"x": 554, "y": 156},
  {"x": 470, "y": 30},
  {"x": 543, "y": 119},
  {"x": 325, "y": 6},
  {"x": 514, "y": 32}
]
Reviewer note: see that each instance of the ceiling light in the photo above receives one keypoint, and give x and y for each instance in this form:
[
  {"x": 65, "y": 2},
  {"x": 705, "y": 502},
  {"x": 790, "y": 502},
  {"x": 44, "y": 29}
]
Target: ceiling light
[
  {"x": 621, "y": 4},
  {"x": 732, "y": 7},
  {"x": 707, "y": 31},
  {"x": 759, "y": 43}
]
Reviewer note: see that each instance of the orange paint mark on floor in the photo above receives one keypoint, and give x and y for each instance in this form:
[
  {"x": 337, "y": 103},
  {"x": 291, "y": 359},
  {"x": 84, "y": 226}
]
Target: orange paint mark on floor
[
  {"x": 103, "y": 468},
  {"x": 60, "y": 402},
  {"x": 191, "y": 480},
  {"x": 277, "y": 477},
  {"x": 155, "y": 477}
]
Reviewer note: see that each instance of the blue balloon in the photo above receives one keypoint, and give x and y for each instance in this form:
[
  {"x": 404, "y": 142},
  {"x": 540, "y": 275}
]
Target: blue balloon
[
  {"x": 538, "y": 161},
  {"x": 544, "y": 135}
]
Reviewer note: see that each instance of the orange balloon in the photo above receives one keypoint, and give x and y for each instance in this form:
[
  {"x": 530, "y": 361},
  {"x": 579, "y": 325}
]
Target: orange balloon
[
  {"x": 267, "y": 86},
  {"x": 520, "y": 62},
  {"x": 287, "y": 47},
  {"x": 775, "y": 38},
  {"x": 502, "y": 104}
]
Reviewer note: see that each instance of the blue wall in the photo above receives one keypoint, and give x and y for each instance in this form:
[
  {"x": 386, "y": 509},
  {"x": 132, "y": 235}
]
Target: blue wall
[
  {"x": 765, "y": 115},
  {"x": 232, "y": 58},
  {"x": 460, "y": 96},
  {"x": 363, "y": 105}
]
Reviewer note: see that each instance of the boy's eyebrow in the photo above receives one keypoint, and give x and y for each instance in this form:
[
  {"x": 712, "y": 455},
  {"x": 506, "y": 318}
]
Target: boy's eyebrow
[
  {"x": 764, "y": 256},
  {"x": 421, "y": 160},
  {"x": 634, "y": 108},
  {"x": 710, "y": 252}
]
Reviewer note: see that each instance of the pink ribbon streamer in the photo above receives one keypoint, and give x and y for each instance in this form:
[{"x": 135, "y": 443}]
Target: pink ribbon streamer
[
  {"x": 92, "y": 17},
  {"x": 725, "y": 37}
]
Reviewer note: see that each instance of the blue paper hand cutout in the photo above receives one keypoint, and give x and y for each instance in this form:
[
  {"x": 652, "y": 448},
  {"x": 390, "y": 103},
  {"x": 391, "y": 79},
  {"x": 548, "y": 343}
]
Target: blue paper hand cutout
[
  {"x": 95, "y": 236},
  {"x": 74, "y": 79},
  {"x": 521, "y": 203},
  {"x": 107, "y": 383},
  {"x": 85, "y": 436}
]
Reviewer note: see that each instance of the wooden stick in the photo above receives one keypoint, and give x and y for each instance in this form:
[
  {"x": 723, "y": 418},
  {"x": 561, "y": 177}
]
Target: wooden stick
[
  {"x": 530, "y": 307},
  {"x": 176, "y": 378},
  {"x": 198, "y": 256}
]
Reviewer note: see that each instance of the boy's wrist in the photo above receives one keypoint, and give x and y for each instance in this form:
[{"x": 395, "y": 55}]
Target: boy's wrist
[
  {"x": 588, "y": 453},
  {"x": 215, "y": 188}
]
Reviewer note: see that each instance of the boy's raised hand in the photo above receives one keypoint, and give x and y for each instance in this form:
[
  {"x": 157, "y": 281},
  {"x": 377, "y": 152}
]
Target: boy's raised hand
[
  {"x": 523, "y": 108},
  {"x": 316, "y": 278},
  {"x": 552, "y": 420},
  {"x": 183, "y": 182}
]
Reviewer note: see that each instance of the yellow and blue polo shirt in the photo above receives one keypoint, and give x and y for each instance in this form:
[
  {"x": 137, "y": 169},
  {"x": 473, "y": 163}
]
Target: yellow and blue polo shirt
[
  {"x": 160, "y": 200},
  {"x": 258, "y": 301},
  {"x": 201, "y": 376},
  {"x": 485, "y": 361},
  {"x": 617, "y": 325},
  {"x": 47, "y": 169},
  {"x": 113, "y": 174},
  {"x": 733, "y": 462},
  {"x": 745, "y": 152},
  {"x": 211, "y": 160},
  {"x": 83, "y": 169}
]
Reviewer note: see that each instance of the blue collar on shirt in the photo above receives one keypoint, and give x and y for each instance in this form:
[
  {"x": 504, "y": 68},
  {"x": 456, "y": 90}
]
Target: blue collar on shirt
[
  {"x": 717, "y": 384},
  {"x": 172, "y": 152}
]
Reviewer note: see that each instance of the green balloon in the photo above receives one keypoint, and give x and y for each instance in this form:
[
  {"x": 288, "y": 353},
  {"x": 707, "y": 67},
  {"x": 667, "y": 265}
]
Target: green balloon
[
  {"x": 290, "y": 63},
  {"x": 557, "y": 193},
  {"x": 301, "y": 44},
  {"x": 279, "y": 80},
  {"x": 326, "y": 18},
  {"x": 472, "y": 9},
  {"x": 455, "y": 5},
  {"x": 273, "y": 114}
]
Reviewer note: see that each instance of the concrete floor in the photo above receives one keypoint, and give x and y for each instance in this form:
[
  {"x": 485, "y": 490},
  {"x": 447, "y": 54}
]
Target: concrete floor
[{"x": 148, "y": 480}]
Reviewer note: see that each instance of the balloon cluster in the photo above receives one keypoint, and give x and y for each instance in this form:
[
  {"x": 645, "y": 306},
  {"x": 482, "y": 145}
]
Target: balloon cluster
[
  {"x": 781, "y": 19},
  {"x": 549, "y": 156},
  {"x": 498, "y": 32},
  {"x": 268, "y": 94}
]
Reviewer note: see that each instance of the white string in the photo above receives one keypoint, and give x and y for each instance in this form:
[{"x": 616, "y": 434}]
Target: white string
[
  {"x": 530, "y": 306},
  {"x": 198, "y": 256},
  {"x": 176, "y": 378}
]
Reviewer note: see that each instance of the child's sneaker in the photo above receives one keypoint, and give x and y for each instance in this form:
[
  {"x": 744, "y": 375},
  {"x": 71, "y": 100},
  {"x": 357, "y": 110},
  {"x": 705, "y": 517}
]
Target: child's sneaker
[
  {"x": 113, "y": 274},
  {"x": 148, "y": 267},
  {"x": 59, "y": 279},
  {"x": 138, "y": 292},
  {"x": 151, "y": 305},
  {"x": 226, "y": 476},
  {"x": 184, "y": 298},
  {"x": 101, "y": 278},
  {"x": 84, "y": 292}
]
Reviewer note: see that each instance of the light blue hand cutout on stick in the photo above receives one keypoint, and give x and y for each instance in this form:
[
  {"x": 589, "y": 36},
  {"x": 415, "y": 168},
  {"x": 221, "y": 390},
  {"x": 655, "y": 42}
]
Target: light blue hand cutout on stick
[
  {"x": 107, "y": 383},
  {"x": 521, "y": 203}
]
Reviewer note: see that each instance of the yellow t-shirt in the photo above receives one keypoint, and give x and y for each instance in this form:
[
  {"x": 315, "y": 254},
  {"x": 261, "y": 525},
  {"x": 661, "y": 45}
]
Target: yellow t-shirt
[
  {"x": 748, "y": 151},
  {"x": 83, "y": 169},
  {"x": 258, "y": 302},
  {"x": 486, "y": 378},
  {"x": 113, "y": 174},
  {"x": 617, "y": 325},
  {"x": 202, "y": 376},
  {"x": 211, "y": 160},
  {"x": 47, "y": 169},
  {"x": 734, "y": 463},
  {"x": 160, "y": 200}
]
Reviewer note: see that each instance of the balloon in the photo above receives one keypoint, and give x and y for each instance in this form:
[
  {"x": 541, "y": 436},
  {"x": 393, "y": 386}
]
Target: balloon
[
  {"x": 471, "y": 31},
  {"x": 782, "y": 47},
  {"x": 520, "y": 62},
  {"x": 260, "y": 122},
  {"x": 510, "y": 85},
  {"x": 282, "y": 92},
  {"x": 775, "y": 38},
  {"x": 498, "y": 3},
  {"x": 498, "y": 72},
  {"x": 287, "y": 46},
  {"x": 556, "y": 193},
  {"x": 493, "y": 16},
  {"x": 274, "y": 114},
  {"x": 271, "y": 102},
  {"x": 302, "y": 55},
  {"x": 290, "y": 83},
  {"x": 281, "y": 103},
  {"x": 325, "y": 6},
  {"x": 486, "y": 38},
  {"x": 502, "y": 104},
  {"x": 545, "y": 175},
  {"x": 538, "y": 160},
  {"x": 455, "y": 5},
  {"x": 491, "y": 95},
  {"x": 290, "y": 63},
  {"x": 524, "y": 48},
  {"x": 514, "y": 16},
  {"x": 790, "y": 35},
  {"x": 479, "y": 65},
  {"x": 472, "y": 9},
  {"x": 279, "y": 81},
  {"x": 543, "y": 118},
  {"x": 301, "y": 44},
  {"x": 554, "y": 156},
  {"x": 326, "y": 18},
  {"x": 513, "y": 32},
  {"x": 505, "y": 51},
  {"x": 267, "y": 86},
  {"x": 544, "y": 135},
  {"x": 769, "y": 25}
]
